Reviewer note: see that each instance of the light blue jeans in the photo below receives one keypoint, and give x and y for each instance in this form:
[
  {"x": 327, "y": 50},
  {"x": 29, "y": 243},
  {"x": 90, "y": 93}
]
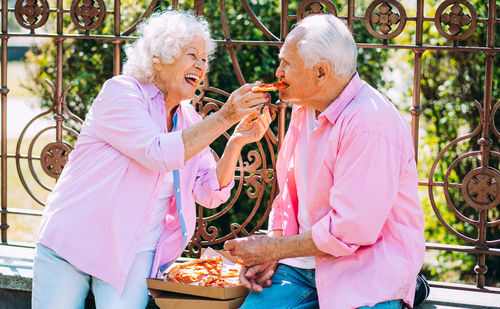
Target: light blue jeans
[
  {"x": 58, "y": 284},
  {"x": 294, "y": 287}
]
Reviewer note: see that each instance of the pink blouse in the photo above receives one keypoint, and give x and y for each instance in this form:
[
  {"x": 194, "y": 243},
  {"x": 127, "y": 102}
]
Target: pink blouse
[{"x": 98, "y": 212}]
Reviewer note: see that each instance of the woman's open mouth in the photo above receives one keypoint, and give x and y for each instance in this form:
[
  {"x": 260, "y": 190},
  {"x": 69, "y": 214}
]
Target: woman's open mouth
[{"x": 192, "y": 79}]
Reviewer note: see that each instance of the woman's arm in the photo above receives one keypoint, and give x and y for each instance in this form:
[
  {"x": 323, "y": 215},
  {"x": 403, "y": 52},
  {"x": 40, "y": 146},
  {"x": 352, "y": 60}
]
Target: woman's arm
[
  {"x": 120, "y": 117},
  {"x": 250, "y": 129},
  {"x": 213, "y": 182},
  {"x": 241, "y": 102}
]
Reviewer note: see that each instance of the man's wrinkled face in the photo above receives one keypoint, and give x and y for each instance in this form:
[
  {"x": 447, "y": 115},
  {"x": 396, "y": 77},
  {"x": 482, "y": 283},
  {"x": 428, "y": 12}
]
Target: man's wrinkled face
[{"x": 301, "y": 79}]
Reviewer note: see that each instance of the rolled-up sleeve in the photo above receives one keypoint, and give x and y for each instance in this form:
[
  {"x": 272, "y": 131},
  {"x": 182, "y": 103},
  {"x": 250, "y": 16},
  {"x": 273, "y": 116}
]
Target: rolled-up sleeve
[
  {"x": 275, "y": 217},
  {"x": 120, "y": 117},
  {"x": 207, "y": 190},
  {"x": 365, "y": 187}
]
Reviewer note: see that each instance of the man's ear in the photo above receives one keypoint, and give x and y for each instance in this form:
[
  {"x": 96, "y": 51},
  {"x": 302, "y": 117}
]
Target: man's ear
[{"x": 322, "y": 69}]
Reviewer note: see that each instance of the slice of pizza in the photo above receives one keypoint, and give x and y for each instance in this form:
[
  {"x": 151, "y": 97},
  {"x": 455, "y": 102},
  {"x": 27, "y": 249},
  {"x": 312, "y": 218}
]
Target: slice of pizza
[
  {"x": 195, "y": 271},
  {"x": 205, "y": 272},
  {"x": 270, "y": 87}
]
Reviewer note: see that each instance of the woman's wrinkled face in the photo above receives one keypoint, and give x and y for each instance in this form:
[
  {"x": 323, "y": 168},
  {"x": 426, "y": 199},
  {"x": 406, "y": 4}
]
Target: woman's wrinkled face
[{"x": 179, "y": 80}]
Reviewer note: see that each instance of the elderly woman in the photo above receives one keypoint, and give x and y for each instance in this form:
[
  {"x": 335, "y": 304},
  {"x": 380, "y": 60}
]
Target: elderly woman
[{"x": 124, "y": 206}]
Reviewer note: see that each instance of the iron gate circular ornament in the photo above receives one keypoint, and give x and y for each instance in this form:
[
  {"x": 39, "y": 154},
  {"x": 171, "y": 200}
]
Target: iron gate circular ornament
[
  {"x": 87, "y": 16},
  {"x": 54, "y": 157},
  {"x": 316, "y": 7},
  {"x": 31, "y": 15},
  {"x": 481, "y": 188},
  {"x": 456, "y": 19},
  {"x": 385, "y": 18}
]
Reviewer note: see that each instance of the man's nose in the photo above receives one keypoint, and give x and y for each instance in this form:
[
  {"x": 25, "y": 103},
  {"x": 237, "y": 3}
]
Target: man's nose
[{"x": 279, "y": 73}]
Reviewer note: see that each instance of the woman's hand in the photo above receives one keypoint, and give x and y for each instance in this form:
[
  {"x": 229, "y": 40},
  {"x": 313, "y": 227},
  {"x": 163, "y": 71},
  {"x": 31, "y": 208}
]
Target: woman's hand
[
  {"x": 243, "y": 102},
  {"x": 252, "y": 128}
]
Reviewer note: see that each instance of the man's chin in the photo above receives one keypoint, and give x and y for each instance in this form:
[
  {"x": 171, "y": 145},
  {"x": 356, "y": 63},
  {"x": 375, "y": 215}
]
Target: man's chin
[{"x": 283, "y": 97}]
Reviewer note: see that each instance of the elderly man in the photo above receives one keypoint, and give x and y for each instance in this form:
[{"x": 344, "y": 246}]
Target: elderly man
[{"x": 346, "y": 230}]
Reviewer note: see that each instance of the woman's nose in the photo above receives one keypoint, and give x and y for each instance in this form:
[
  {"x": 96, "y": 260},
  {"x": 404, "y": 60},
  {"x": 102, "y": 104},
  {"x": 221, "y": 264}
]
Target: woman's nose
[{"x": 199, "y": 63}]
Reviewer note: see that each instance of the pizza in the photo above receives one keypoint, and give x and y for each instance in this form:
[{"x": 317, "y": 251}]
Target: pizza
[
  {"x": 205, "y": 272},
  {"x": 270, "y": 87}
]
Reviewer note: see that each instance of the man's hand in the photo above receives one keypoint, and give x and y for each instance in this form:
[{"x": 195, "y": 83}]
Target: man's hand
[
  {"x": 258, "y": 276},
  {"x": 253, "y": 249}
]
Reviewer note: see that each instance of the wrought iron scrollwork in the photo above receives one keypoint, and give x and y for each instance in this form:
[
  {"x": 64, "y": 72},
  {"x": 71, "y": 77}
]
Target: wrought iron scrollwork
[
  {"x": 54, "y": 157},
  {"x": 198, "y": 7},
  {"x": 255, "y": 172},
  {"x": 456, "y": 19},
  {"x": 31, "y": 14},
  {"x": 481, "y": 188},
  {"x": 385, "y": 18},
  {"x": 311, "y": 7},
  {"x": 87, "y": 16}
]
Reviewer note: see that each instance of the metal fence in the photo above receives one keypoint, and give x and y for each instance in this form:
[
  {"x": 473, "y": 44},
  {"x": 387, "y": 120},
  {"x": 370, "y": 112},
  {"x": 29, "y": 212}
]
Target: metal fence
[{"x": 454, "y": 20}]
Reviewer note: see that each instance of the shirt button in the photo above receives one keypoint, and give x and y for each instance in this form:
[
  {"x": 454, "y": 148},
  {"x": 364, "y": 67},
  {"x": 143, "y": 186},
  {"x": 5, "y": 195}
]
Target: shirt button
[
  {"x": 180, "y": 211},
  {"x": 184, "y": 234},
  {"x": 177, "y": 190}
]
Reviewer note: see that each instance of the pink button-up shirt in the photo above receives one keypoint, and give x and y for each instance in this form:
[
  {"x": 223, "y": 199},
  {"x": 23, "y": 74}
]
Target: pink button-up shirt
[
  {"x": 98, "y": 212},
  {"x": 362, "y": 199}
]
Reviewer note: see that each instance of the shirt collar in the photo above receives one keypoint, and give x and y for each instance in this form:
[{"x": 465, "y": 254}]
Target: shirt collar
[
  {"x": 151, "y": 90},
  {"x": 333, "y": 111}
]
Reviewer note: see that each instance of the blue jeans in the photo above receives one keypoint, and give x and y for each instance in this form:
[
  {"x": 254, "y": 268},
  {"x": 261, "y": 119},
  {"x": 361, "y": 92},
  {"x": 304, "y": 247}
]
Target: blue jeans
[
  {"x": 294, "y": 287},
  {"x": 58, "y": 284}
]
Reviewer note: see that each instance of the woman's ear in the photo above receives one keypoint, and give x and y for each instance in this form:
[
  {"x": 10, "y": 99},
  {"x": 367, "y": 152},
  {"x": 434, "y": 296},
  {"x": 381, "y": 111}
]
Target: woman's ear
[{"x": 157, "y": 66}]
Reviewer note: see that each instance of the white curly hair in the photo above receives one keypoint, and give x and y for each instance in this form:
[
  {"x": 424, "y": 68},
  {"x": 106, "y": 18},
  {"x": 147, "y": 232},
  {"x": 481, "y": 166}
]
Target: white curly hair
[
  {"x": 161, "y": 38},
  {"x": 328, "y": 38}
]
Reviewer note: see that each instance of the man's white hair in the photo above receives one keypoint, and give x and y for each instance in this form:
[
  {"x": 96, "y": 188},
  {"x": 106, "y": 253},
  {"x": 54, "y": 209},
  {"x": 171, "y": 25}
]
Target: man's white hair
[
  {"x": 327, "y": 38},
  {"x": 162, "y": 38}
]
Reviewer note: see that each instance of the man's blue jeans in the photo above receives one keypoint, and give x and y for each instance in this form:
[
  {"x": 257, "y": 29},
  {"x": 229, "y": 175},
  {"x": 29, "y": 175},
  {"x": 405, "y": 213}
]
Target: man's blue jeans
[{"x": 294, "y": 287}]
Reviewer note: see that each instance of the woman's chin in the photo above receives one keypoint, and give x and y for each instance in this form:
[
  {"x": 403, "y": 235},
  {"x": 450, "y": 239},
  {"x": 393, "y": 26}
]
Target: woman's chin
[{"x": 188, "y": 95}]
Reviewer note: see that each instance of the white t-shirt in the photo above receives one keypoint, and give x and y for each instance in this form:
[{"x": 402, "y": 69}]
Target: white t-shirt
[
  {"x": 165, "y": 197},
  {"x": 300, "y": 157}
]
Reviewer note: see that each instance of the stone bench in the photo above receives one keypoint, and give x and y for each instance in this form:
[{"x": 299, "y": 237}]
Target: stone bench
[{"x": 16, "y": 271}]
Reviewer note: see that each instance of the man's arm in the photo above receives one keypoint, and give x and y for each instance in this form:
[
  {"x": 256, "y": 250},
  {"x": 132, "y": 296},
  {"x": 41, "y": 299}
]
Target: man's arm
[
  {"x": 258, "y": 276},
  {"x": 261, "y": 249},
  {"x": 262, "y": 253}
]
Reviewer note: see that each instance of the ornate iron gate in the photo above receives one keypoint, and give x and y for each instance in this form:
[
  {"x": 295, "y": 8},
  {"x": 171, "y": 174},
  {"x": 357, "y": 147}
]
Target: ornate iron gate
[{"x": 455, "y": 20}]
